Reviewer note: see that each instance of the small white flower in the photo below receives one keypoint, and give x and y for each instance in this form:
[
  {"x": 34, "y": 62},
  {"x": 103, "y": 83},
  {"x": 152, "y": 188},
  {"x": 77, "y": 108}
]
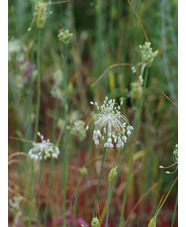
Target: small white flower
[
  {"x": 112, "y": 123},
  {"x": 45, "y": 149}
]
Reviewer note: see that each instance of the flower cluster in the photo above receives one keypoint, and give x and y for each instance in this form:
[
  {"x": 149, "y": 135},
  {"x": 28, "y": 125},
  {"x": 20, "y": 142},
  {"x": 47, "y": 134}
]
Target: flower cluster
[
  {"x": 40, "y": 13},
  {"x": 65, "y": 36},
  {"x": 95, "y": 222},
  {"x": 110, "y": 122},
  {"x": 16, "y": 50},
  {"x": 147, "y": 54},
  {"x": 78, "y": 128},
  {"x": 15, "y": 203},
  {"x": 45, "y": 149}
]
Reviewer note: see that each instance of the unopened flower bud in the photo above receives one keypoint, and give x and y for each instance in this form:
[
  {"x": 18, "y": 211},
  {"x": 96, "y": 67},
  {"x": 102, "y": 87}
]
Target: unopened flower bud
[
  {"x": 152, "y": 222},
  {"x": 95, "y": 222},
  {"x": 112, "y": 174},
  {"x": 83, "y": 171}
]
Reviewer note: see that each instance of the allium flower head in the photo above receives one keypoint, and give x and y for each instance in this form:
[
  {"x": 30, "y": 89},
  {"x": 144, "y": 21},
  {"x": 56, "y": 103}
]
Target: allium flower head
[
  {"x": 147, "y": 54},
  {"x": 44, "y": 149},
  {"x": 110, "y": 124},
  {"x": 65, "y": 36}
]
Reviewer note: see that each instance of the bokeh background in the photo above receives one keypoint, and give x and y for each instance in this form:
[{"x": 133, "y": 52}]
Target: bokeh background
[{"x": 104, "y": 33}]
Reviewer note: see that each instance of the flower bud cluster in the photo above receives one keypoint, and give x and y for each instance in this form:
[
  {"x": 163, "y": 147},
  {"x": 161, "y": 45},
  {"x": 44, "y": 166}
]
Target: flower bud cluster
[
  {"x": 95, "y": 222},
  {"x": 65, "y": 36},
  {"x": 110, "y": 124},
  {"x": 147, "y": 54},
  {"x": 45, "y": 149},
  {"x": 78, "y": 128}
]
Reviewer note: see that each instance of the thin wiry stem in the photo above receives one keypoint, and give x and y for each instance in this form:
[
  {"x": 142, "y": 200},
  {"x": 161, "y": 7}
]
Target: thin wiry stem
[
  {"x": 38, "y": 200},
  {"x": 66, "y": 138},
  {"x": 99, "y": 181},
  {"x": 108, "y": 204},
  {"x": 48, "y": 191},
  {"x": 38, "y": 85},
  {"x": 31, "y": 194},
  {"x": 175, "y": 209},
  {"x": 132, "y": 154}
]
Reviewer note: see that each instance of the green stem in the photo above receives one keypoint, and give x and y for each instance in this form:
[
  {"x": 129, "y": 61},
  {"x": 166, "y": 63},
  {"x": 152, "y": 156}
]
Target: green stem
[
  {"x": 31, "y": 195},
  {"x": 132, "y": 154},
  {"x": 38, "y": 85},
  {"x": 66, "y": 138},
  {"x": 38, "y": 200},
  {"x": 54, "y": 122},
  {"x": 48, "y": 191},
  {"x": 108, "y": 204},
  {"x": 175, "y": 209},
  {"x": 99, "y": 181},
  {"x": 31, "y": 91}
]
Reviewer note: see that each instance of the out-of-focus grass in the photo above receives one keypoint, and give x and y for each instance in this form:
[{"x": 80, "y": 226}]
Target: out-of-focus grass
[{"x": 104, "y": 33}]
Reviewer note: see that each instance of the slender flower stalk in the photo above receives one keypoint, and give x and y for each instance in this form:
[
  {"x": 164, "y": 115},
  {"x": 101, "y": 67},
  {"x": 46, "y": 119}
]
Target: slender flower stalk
[
  {"x": 99, "y": 181},
  {"x": 66, "y": 139},
  {"x": 109, "y": 123},
  {"x": 48, "y": 191},
  {"x": 38, "y": 85},
  {"x": 38, "y": 199},
  {"x": 30, "y": 132},
  {"x": 147, "y": 57},
  {"x": 132, "y": 154},
  {"x": 175, "y": 209},
  {"x": 111, "y": 177},
  {"x": 108, "y": 203},
  {"x": 64, "y": 37}
]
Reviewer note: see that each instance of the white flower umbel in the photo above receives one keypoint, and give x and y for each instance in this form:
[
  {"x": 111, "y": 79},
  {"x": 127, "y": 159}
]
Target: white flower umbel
[
  {"x": 110, "y": 124},
  {"x": 44, "y": 149}
]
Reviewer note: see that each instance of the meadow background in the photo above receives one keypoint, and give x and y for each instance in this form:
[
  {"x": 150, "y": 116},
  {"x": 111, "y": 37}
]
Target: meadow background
[{"x": 105, "y": 33}]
